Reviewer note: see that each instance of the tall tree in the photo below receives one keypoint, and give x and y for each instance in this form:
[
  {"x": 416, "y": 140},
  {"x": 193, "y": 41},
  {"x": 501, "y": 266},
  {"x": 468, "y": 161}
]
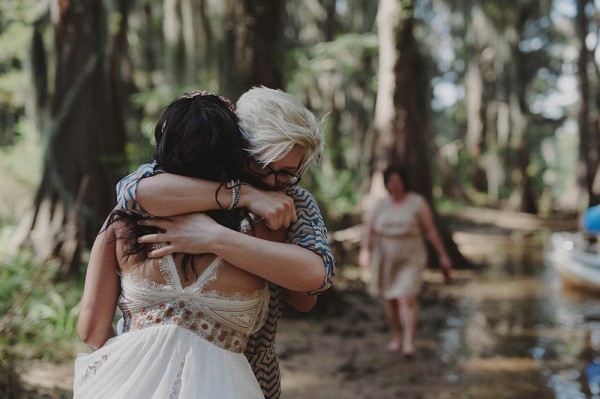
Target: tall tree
[
  {"x": 401, "y": 110},
  {"x": 589, "y": 131},
  {"x": 402, "y": 106},
  {"x": 503, "y": 58},
  {"x": 84, "y": 136},
  {"x": 253, "y": 48}
]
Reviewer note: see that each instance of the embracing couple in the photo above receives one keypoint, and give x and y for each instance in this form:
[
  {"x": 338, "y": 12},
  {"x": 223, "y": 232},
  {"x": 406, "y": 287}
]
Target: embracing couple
[{"x": 206, "y": 245}]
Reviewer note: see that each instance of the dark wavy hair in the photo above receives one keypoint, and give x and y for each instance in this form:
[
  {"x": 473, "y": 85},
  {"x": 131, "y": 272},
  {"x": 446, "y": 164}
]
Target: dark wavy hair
[
  {"x": 396, "y": 170},
  {"x": 197, "y": 136}
]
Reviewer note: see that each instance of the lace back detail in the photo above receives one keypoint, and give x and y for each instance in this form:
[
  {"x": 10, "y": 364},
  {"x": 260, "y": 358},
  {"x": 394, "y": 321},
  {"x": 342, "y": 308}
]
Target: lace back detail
[
  {"x": 168, "y": 268},
  {"x": 223, "y": 319}
]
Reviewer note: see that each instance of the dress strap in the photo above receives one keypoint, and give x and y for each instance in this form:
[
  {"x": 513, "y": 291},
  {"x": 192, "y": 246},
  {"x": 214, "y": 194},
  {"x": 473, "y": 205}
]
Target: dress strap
[
  {"x": 208, "y": 274},
  {"x": 169, "y": 270},
  {"x": 209, "y": 269}
]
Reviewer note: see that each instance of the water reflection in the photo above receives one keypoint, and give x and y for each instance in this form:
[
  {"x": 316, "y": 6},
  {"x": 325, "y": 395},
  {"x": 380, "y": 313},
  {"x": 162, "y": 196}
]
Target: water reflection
[{"x": 516, "y": 333}]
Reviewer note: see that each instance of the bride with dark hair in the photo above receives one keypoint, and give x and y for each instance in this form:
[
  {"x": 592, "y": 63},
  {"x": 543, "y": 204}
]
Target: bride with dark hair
[{"x": 187, "y": 318}]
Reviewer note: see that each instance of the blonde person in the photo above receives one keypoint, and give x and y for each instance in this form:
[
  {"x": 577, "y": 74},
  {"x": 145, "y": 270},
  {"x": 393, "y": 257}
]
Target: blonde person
[
  {"x": 394, "y": 248},
  {"x": 283, "y": 139}
]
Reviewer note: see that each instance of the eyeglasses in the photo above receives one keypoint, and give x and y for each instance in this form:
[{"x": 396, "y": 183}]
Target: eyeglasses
[{"x": 282, "y": 178}]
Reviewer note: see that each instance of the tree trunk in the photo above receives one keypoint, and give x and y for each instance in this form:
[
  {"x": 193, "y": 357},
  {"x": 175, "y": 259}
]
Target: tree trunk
[
  {"x": 401, "y": 111},
  {"x": 85, "y": 138},
  {"x": 389, "y": 16},
  {"x": 37, "y": 104},
  {"x": 595, "y": 117},
  {"x": 267, "y": 42},
  {"x": 411, "y": 148},
  {"x": 474, "y": 100},
  {"x": 175, "y": 54},
  {"x": 589, "y": 157},
  {"x": 253, "y": 46}
]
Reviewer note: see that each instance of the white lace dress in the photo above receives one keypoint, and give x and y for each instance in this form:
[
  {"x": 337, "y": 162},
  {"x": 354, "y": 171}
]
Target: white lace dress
[{"x": 177, "y": 343}]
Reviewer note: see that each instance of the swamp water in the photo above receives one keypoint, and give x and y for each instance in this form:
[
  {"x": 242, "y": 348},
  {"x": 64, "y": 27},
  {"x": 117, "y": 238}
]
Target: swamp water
[
  {"x": 507, "y": 331},
  {"x": 516, "y": 331}
]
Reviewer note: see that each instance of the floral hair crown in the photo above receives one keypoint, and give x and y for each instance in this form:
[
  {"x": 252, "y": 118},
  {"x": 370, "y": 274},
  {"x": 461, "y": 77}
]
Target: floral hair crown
[{"x": 198, "y": 93}]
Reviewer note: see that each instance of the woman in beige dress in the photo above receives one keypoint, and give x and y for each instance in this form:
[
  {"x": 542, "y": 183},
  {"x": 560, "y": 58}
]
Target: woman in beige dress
[{"x": 394, "y": 248}]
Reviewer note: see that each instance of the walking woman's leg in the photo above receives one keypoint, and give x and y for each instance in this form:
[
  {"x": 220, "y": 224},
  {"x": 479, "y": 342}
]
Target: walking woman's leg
[
  {"x": 409, "y": 314},
  {"x": 392, "y": 315}
]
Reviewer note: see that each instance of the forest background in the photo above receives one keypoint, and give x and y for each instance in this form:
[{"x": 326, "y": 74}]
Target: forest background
[{"x": 487, "y": 104}]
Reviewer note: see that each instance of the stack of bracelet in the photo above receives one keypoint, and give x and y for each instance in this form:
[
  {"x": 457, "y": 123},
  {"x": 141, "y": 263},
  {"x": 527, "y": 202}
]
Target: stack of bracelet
[{"x": 236, "y": 188}]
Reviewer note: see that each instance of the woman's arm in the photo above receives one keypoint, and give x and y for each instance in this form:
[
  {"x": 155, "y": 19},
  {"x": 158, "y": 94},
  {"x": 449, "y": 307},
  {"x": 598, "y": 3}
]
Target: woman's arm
[
  {"x": 298, "y": 264},
  {"x": 166, "y": 194},
  {"x": 431, "y": 233},
  {"x": 101, "y": 292},
  {"x": 364, "y": 256},
  {"x": 289, "y": 266}
]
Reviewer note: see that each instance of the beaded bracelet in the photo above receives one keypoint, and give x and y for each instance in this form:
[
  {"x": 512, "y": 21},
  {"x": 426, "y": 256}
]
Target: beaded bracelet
[{"x": 235, "y": 194}]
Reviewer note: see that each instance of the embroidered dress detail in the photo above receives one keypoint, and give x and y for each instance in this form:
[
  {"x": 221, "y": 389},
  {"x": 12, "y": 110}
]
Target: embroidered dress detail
[
  {"x": 183, "y": 315},
  {"x": 224, "y": 321}
]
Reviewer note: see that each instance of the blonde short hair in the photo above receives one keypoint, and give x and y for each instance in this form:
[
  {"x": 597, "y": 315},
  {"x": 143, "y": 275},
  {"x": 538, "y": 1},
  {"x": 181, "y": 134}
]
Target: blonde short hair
[{"x": 273, "y": 121}]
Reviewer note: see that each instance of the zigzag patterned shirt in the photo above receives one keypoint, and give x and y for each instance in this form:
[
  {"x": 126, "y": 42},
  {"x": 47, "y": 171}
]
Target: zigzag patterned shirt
[{"x": 308, "y": 232}]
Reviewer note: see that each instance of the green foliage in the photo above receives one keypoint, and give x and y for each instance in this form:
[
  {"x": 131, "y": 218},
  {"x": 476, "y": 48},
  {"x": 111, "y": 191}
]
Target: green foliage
[
  {"x": 38, "y": 313},
  {"x": 337, "y": 78},
  {"x": 148, "y": 105},
  {"x": 338, "y": 194},
  {"x": 21, "y": 167},
  {"x": 566, "y": 149},
  {"x": 16, "y": 19},
  {"x": 345, "y": 55}
]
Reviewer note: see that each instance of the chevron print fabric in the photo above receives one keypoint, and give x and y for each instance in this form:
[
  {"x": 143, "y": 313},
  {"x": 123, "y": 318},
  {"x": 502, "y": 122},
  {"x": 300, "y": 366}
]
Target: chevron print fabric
[
  {"x": 260, "y": 350},
  {"x": 127, "y": 186},
  {"x": 309, "y": 232}
]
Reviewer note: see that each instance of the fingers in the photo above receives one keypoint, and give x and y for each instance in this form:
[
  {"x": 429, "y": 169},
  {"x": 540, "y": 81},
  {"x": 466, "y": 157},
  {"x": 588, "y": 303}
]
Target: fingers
[
  {"x": 271, "y": 224},
  {"x": 153, "y": 238},
  {"x": 277, "y": 221},
  {"x": 287, "y": 218},
  {"x": 292, "y": 211},
  {"x": 275, "y": 208},
  {"x": 161, "y": 223},
  {"x": 157, "y": 238},
  {"x": 160, "y": 252},
  {"x": 284, "y": 215},
  {"x": 290, "y": 214}
]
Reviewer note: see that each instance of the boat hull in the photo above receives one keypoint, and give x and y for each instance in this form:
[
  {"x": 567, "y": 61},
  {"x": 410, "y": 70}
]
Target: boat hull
[{"x": 576, "y": 267}]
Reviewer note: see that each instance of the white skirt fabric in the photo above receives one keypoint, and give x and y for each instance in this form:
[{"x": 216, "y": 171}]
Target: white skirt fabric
[{"x": 165, "y": 361}]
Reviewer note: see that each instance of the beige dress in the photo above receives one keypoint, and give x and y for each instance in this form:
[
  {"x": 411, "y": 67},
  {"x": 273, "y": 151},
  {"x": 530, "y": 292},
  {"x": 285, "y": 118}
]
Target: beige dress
[{"x": 399, "y": 255}]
